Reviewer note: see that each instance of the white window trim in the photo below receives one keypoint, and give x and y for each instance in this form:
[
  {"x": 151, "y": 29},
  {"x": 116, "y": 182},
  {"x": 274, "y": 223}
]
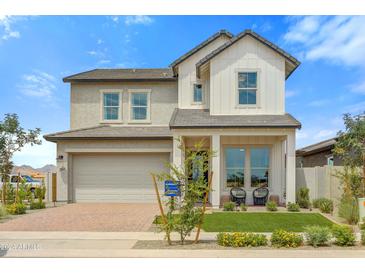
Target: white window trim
[
  {"x": 146, "y": 121},
  {"x": 120, "y": 118},
  {"x": 247, "y": 106},
  {"x": 328, "y": 157},
  {"x": 192, "y": 93}
]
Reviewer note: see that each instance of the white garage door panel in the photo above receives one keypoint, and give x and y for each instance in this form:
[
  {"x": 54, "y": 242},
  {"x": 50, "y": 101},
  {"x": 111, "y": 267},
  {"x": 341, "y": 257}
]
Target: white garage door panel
[{"x": 123, "y": 177}]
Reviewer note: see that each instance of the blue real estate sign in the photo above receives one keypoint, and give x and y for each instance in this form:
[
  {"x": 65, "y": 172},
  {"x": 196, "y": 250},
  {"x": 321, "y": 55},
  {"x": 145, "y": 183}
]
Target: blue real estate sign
[{"x": 172, "y": 189}]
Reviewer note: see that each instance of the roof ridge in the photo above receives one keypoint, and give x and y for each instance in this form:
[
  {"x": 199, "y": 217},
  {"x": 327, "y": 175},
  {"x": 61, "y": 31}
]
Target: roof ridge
[{"x": 201, "y": 45}]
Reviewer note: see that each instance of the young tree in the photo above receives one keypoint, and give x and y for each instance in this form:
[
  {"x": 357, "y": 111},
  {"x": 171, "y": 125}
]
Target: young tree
[
  {"x": 12, "y": 139},
  {"x": 187, "y": 212},
  {"x": 350, "y": 145}
]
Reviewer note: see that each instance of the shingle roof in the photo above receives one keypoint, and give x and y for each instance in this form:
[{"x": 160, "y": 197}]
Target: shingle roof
[
  {"x": 110, "y": 75},
  {"x": 200, "y": 46},
  {"x": 197, "y": 118},
  {"x": 107, "y": 132},
  {"x": 295, "y": 63},
  {"x": 321, "y": 146}
]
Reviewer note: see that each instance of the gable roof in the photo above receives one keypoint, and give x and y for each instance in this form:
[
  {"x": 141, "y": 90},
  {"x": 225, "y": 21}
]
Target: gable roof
[
  {"x": 107, "y": 132},
  {"x": 200, "y": 46},
  {"x": 318, "y": 147},
  {"x": 201, "y": 118},
  {"x": 289, "y": 58},
  {"x": 111, "y": 75}
]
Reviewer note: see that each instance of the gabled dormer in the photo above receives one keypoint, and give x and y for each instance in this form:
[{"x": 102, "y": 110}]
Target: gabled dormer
[{"x": 193, "y": 92}]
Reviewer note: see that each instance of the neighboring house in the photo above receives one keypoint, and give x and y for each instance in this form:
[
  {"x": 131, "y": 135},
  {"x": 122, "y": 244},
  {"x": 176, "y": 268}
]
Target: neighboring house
[
  {"x": 125, "y": 123},
  {"x": 319, "y": 154}
]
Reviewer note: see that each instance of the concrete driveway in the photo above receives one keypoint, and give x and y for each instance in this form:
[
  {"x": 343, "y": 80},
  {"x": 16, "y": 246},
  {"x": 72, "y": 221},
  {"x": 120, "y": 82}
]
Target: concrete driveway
[{"x": 111, "y": 217}]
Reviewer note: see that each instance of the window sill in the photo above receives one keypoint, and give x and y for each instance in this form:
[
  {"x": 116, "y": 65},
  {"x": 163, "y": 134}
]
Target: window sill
[
  {"x": 139, "y": 122},
  {"x": 111, "y": 121},
  {"x": 248, "y": 106}
]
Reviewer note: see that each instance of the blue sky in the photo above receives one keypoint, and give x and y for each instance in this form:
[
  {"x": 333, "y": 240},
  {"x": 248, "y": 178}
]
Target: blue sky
[{"x": 37, "y": 52}]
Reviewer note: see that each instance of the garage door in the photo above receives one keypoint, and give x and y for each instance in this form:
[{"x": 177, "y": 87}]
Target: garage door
[{"x": 121, "y": 177}]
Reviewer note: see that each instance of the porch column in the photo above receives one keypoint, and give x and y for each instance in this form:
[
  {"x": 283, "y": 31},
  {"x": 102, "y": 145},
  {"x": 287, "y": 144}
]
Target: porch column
[
  {"x": 216, "y": 189},
  {"x": 177, "y": 159},
  {"x": 290, "y": 167}
]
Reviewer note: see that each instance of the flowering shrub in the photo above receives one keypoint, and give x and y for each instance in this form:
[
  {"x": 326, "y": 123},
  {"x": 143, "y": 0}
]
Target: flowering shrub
[
  {"x": 344, "y": 235},
  {"x": 241, "y": 239},
  {"x": 16, "y": 209},
  {"x": 282, "y": 238}
]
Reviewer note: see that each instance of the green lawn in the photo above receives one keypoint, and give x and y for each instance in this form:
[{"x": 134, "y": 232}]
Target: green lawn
[{"x": 261, "y": 222}]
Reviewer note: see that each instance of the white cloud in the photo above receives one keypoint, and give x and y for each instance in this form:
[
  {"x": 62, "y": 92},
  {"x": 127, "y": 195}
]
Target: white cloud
[
  {"x": 39, "y": 84},
  {"x": 100, "y": 41},
  {"x": 358, "y": 88},
  {"x": 339, "y": 39},
  {"x": 324, "y": 133},
  {"x": 92, "y": 52},
  {"x": 355, "y": 108},
  {"x": 290, "y": 93},
  {"x": 138, "y": 20},
  {"x": 6, "y": 29},
  {"x": 104, "y": 61},
  {"x": 36, "y": 156},
  {"x": 115, "y": 19},
  {"x": 319, "y": 103}
]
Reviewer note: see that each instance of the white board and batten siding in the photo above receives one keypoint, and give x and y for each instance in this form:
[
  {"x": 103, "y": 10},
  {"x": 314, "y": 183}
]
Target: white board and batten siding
[
  {"x": 116, "y": 177},
  {"x": 247, "y": 55}
]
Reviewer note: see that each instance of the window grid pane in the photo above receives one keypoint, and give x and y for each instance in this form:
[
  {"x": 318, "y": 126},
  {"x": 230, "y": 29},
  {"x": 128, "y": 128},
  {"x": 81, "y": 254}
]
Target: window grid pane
[
  {"x": 260, "y": 166},
  {"x": 198, "y": 93},
  {"x": 247, "y": 88},
  {"x": 235, "y": 164},
  {"x": 111, "y": 105},
  {"x": 139, "y": 104},
  {"x": 139, "y": 113}
]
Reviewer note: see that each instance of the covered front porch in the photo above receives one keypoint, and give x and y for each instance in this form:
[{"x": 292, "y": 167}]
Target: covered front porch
[{"x": 245, "y": 158}]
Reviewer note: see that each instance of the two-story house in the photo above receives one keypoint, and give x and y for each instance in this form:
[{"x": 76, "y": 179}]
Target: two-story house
[{"x": 125, "y": 123}]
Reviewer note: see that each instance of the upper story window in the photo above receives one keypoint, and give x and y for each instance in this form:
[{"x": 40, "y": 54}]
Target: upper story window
[
  {"x": 140, "y": 106},
  {"x": 247, "y": 88},
  {"x": 198, "y": 93},
  {"x": 111, "y": 106}
]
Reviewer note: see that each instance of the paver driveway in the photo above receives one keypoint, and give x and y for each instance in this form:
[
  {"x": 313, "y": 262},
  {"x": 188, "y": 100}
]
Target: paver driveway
[{"x": 86, "y": 217}]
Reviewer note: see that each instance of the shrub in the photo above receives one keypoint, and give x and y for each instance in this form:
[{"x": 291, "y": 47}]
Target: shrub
[
  {"x": 317, "y": 235},
  {"x": 243, "y": 207},
  {"x": 229, "y": 206},
  {"x": 349, "y": 210},
  {"x": 363, "y": 237},
  {"x": 37, "y": 205},
  {"x": 3, "y": 212},
  {"x": 303, "y": 197},
  {"x": 271, "y": 206},
  {"x": 293, "y": 207},
  {"x": 316, "y": 202},
  {"x": 16, "y": 209},
  {"x": 344, "y": 235},
  {"x": 241, "y": 239},
  {"x": 326, "y": 205},
  {"x": 282, "y": 238},
  {"x": 362, "y": 225}
]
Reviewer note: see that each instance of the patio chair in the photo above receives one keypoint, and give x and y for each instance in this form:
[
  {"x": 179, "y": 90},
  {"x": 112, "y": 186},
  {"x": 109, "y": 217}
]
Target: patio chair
[
  {"x": 260, "y": 196},
  {"x": 238, "y": 195}
]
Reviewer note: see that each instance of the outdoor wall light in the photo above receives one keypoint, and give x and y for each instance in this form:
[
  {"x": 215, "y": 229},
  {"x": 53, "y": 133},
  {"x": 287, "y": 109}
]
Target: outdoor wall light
[{"x": 59, "y": 158}]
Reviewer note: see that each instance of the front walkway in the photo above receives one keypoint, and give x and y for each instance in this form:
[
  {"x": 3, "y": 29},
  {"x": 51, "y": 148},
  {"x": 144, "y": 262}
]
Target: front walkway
[{"x": 86, "y": 217}]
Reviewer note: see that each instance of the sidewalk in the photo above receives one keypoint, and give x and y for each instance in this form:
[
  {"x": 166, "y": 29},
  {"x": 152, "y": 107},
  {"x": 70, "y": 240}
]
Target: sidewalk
[{"x": 120, "y": 244}]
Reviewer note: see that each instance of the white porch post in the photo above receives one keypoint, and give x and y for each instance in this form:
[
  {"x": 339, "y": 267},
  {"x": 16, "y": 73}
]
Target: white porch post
[
  {"x": 177, "y": 159},
  {"x": 216, "y": 189},
  {"x": 290, "y": 167}
]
